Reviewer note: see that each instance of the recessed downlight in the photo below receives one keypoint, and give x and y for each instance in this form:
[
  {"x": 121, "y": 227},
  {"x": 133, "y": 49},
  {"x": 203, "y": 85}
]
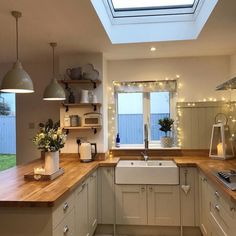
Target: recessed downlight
[{"x": 153, "y": 49}]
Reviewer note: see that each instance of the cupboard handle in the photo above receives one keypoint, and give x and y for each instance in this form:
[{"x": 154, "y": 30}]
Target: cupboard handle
[
  {"x": 217, "y": 194},
  {"x": 205, "y": 179},
  {"x": 66, "y": 229},
  {"x": 217, "y": 208},
  {"x": 142, "y": 189},
  {"x": 232, "y": 208},
  {"x": 92, "y": 176},
  {"x": 150, "y": 189},
  {"x": 66, "y": 206},
  {"x": 83, "y": 185}
]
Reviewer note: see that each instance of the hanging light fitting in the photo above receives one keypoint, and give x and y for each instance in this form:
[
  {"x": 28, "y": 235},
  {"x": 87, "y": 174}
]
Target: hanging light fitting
[
  {"x": 17, "y": 79},
  {"x": 54, "y": 91}
]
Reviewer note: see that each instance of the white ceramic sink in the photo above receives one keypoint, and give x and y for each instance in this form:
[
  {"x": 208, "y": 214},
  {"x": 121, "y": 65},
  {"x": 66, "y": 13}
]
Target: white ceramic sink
[{"x": 150, "y": 172}]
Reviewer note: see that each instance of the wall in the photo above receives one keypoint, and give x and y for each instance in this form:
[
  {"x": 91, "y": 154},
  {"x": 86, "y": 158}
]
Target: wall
[
  {"x": 232, "y": 66},
  {"x": 198, "y": 78},
  {"x": 198, "y": 75},
  {"x": 100, "y": 138},
  {"x": 30, "y": 108}
]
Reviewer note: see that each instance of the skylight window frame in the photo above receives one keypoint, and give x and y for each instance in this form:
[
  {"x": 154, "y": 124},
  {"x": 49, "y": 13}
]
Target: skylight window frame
[
  {"x": 155, "y": 11},
  {"x": 153, "y": 7}
]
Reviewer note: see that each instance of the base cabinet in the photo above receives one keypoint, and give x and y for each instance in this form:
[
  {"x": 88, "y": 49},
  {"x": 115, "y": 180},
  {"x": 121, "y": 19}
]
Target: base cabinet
[
  {"x": 189, "y": 196},
  {"x": 217, "y": 211},
  {"x": 106, "y": 197},
  {"x": 147, "y": 205},
  {"x": 82, "y": 223},
  {"x": 131, "y": 206},
  {"x": 163, "y": 205},
  {"x": 86, "y": 206},
  {"x": 92, "y": 202},
  {"x": 204, "y": 205},
  {"x": 67, "y": 226}
]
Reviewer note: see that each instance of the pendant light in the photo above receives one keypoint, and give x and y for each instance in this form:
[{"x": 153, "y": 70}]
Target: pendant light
[
  {"x": 17, "y": 79},
  {"x": 54, "y": 91}
]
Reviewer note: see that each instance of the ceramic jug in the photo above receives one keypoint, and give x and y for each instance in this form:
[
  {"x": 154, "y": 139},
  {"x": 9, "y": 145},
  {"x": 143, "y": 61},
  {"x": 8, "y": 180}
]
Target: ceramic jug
[
  {"x": 74, "y": 73},
  {"x": 84, "y": 98}
]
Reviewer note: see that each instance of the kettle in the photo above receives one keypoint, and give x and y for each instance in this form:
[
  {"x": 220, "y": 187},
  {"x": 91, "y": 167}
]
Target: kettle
[{"x": 87, "y": 153}]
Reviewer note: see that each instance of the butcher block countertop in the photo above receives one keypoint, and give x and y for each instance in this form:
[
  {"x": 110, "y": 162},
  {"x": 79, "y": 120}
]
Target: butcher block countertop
[
  {"x": 17, "y": 192},
  {"x": 209, "y": 167}
]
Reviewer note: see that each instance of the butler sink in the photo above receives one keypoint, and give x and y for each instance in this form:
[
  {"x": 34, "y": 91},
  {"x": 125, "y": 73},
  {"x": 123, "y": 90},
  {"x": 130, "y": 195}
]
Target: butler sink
[{"x": 147, "y": 172}]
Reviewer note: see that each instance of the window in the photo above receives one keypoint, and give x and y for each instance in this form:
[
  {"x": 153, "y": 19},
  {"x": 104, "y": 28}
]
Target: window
[
  {"x": 136, "y": 109},
  {"x": 159, "y": 109},
  {"x": 150, "y": 4},
  {"x": 141, "y": 8},
  {"x": 8, "y": 131},
  {"x": 138, "y": 103},
  {"x": 130, "y": 117}
]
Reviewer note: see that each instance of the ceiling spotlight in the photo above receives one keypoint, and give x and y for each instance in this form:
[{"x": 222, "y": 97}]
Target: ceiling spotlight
[{"x": 153, "y": 49}]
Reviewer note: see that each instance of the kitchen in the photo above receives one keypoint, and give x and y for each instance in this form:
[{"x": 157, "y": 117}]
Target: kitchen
[{"x": 198, "y": 65}]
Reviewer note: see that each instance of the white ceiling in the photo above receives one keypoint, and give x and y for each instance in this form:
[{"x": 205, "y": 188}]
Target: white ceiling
[{"x": 74, "y": 25}]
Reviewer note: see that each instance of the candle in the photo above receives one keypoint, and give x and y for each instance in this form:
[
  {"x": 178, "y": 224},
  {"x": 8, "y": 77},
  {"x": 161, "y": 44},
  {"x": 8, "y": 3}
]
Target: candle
[
  {"x": 220, "y": 149},
  {"x": 39, "y": 171}
]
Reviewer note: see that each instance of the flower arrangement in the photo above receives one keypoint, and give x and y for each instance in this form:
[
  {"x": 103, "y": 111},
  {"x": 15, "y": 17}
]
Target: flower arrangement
[{"x": 50, "y": 137}]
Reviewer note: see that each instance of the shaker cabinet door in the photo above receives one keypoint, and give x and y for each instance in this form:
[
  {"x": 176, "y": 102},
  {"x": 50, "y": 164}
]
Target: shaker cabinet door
[
  {"x": 131, "y": 206},
  {"x": 92, "y": 202},
  {"x": 82, "y": 226},
  {"x": 163, "y": 205}
]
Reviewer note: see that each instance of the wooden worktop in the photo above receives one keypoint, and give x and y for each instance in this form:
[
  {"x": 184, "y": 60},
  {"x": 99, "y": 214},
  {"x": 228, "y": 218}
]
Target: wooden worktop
[
  {"x": 15, "y": 191},
  {"x": 209, "y": 167}
]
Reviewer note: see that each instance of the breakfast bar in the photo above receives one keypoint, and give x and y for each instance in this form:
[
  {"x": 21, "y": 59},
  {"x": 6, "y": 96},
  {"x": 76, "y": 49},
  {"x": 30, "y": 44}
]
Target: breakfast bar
[{"x": 50, "y": 207}]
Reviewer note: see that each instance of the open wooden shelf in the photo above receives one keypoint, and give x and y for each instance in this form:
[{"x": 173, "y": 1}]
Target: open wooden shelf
[
  {"x": 94, "y": 105},
  {"x": 94, "y": 128},
  {"x": 81, "y": 81}
]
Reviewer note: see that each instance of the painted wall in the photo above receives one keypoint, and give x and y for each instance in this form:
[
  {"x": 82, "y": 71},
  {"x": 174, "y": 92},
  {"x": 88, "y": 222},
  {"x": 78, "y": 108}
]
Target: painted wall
[
  {"x": 100, "y": 138},
  {"x": 198, "y": 75},
  {"x": 31, "y": 109},
  {"x": 232, "y": 66}
]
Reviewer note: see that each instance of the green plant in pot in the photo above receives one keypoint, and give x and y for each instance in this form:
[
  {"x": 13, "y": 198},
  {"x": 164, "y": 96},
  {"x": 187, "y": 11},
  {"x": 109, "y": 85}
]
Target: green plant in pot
[{"x": 166, "y": 127}]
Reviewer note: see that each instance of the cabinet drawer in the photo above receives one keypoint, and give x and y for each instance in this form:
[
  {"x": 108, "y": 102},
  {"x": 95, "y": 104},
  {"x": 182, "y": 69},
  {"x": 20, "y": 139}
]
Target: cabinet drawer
[
  {"x": 67, "y": 226},
  {"x": 216, "y": 228},
  {"x": 62, "y": 209},
  {"x": 218, "y": 198},
  {"x": 222, "y": 210}
]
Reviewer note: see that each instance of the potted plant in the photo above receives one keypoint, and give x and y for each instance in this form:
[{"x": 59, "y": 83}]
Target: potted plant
[
  {"x": 166, "y": 126},
  {"x": 50, "y": 138}
]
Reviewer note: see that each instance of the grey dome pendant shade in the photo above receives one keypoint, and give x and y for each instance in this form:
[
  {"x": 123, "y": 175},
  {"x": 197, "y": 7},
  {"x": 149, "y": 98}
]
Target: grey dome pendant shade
[
  {"x": 54, "y": 91},
  {"x": 17, "y": 79}
]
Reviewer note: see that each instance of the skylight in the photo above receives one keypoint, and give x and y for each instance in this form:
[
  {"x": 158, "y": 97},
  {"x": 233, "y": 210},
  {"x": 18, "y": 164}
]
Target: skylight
[
  {"x": 134, "y": 21},
  {"x": 150, "y": 4}
]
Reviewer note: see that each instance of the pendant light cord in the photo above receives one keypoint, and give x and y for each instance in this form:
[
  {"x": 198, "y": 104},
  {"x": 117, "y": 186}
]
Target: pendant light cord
[
  {"x": 17, "y": 15},
  {"x": 17, "y": 40},
  {"x": 53, "y": 63},
  {"x": 53, "y": 45}
]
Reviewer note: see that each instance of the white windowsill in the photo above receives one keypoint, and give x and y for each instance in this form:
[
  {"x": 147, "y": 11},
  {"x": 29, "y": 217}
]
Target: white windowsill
[{"x": 141, "y": 147}]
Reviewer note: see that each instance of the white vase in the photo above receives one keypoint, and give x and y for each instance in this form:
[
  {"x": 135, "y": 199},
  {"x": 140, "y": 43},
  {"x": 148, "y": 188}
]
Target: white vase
[
  {"x": 167, "y": 142},
  {"x": 51, "y": 162}
]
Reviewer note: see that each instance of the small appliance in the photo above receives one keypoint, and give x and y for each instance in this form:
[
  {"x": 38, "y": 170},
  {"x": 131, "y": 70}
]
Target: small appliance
[
  {"x": 87, "y": 151},
  {"x": 92, "y": 119},
  {"x": 227, "y": 177}
]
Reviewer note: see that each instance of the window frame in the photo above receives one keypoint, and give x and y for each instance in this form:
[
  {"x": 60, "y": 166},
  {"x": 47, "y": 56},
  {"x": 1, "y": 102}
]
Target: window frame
[
  {"x": 155, "y": 11},
  {"x": 146, "y": 118}
]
